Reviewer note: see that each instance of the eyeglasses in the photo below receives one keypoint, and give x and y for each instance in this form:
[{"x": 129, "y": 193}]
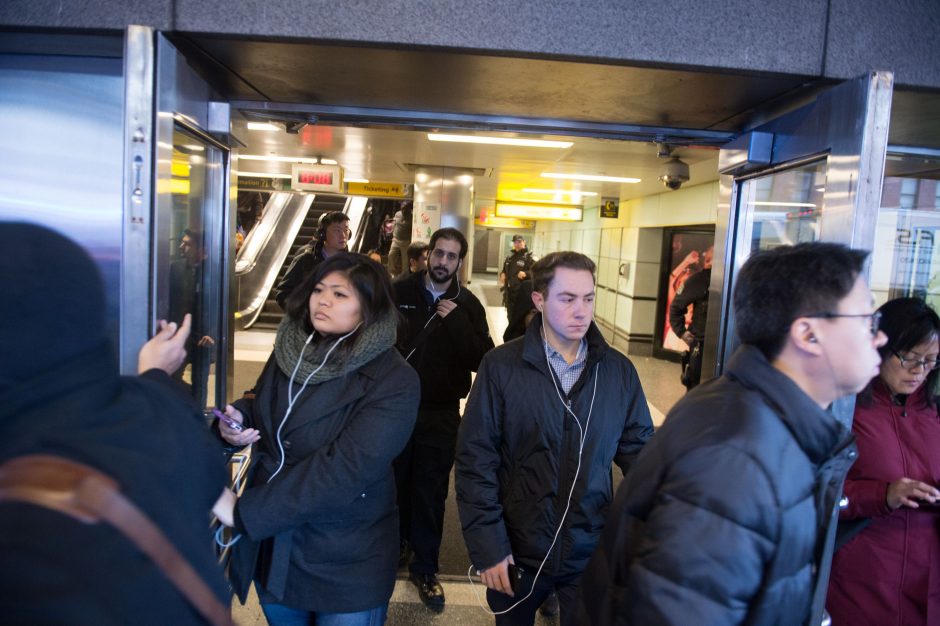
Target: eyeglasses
[
  {"x": 911, "y": 364},
  {"x": 874, "y": 319}
]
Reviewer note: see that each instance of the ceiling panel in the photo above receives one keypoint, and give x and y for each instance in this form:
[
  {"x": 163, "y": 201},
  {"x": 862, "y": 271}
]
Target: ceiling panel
[{"x": 461, "y": 82}]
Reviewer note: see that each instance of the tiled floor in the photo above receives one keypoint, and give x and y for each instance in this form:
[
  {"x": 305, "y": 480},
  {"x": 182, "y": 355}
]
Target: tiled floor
[{"x": 662, "y": 388}]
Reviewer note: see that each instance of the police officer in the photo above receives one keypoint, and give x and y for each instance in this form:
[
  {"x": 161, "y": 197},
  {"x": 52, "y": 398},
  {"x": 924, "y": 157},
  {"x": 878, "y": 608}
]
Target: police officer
[{"x": 516, "y": 268}]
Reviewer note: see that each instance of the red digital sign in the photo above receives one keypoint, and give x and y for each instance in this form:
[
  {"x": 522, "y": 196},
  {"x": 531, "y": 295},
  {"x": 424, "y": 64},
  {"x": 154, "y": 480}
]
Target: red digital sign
[{"x": 315, "y": 178}]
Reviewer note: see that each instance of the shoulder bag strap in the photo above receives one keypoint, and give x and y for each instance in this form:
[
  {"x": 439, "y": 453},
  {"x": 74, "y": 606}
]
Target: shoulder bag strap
[{"x": 89, "y": 496}]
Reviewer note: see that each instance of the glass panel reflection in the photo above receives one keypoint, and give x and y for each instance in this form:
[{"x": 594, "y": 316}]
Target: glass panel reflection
[
  {"x": 186, "y": 275},
  {"x": 906, "y": 255},
  {"x": 785, "y": 207}
]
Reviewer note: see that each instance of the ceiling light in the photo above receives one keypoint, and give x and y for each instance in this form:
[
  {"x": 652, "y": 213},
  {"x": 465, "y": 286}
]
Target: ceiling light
[
  {"x": 263, "y": 175},
  {"x": 194, "y": 147},
  {"x": 532, "y": 211},
  {"x": 591, "y": 177},
  {"x": 268, "y": 126},
  {"x": 356, "y": 180},
  {"x": 500, "y": 141},
  {"x": 277, "y": 159},
  {"x": 809, "y": 204},
  {"x": 328, "y": 161},
  {"x": 569, "y": 192}
]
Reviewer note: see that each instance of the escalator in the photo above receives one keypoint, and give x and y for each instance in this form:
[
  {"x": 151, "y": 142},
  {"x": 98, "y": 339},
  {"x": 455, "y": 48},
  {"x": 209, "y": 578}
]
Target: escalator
[{"x": 288, "y": 222}]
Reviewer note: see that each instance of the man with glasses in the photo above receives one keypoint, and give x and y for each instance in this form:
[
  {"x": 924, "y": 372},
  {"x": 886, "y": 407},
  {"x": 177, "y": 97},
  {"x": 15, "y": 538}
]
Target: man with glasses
[
  {"x": 331, "y": 238},
  {"x": 728, "y": 515},
  {"x": 446, "y": 337}
]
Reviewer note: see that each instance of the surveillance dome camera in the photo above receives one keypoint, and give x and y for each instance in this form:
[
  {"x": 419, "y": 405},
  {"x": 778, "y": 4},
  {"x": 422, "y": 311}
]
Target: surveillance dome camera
[{"x": 675, "y": 172}]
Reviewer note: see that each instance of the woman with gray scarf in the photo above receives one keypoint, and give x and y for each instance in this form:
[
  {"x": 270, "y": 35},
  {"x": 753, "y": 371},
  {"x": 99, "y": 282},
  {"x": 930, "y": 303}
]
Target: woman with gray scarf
[{"x": 333, "y": 407}]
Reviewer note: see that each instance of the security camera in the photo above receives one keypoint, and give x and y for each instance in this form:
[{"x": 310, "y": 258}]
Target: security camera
[{"x": 675, "y": 172}]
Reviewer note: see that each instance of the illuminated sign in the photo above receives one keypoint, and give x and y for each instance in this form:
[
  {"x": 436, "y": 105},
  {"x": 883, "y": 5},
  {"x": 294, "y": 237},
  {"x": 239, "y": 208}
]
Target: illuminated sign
[
  {"x": 379, "y": 190},
  {"x": 491, "y": 221},
  {"x": 532, "y": 211},
  {"x": 316, "y": 177}
]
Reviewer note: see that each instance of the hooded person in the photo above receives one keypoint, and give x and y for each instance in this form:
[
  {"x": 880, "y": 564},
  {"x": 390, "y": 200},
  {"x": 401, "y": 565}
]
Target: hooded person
[{"x": 61, "y": 394}]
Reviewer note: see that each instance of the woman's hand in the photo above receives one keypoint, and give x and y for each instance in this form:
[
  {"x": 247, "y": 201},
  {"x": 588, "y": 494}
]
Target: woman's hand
[
  {"x": 224, "y": 507},
  {"x": 907, "y": 491},
  {"x": 167, "y": 349},
  {"x": 237, "y": 437}
]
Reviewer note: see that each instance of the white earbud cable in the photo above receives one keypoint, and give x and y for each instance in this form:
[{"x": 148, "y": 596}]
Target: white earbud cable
[{"x": 581, "y": 442}]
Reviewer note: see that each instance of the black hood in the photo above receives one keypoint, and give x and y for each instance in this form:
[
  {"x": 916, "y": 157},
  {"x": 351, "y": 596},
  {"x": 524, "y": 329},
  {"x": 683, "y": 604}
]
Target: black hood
[{"x": 53, "y": 306}]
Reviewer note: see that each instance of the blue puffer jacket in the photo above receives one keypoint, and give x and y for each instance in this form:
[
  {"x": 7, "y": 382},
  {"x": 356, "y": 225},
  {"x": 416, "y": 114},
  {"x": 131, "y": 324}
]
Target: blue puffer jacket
[{"x": 724, "y": 518}]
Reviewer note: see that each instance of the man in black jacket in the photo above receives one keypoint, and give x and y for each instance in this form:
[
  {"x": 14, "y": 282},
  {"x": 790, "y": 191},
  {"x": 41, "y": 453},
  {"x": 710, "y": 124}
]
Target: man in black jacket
[
  {"x": 694, "y": 293},
  {"x": 547, "y": 416},
  {"x": 331, "y": 238},
  {"x": 728, "y": 516},
  {"x": 446, "y": 337}
]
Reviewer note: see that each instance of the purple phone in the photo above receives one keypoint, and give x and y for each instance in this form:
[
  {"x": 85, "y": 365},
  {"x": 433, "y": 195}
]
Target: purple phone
[{"x": 228, "y": 420}]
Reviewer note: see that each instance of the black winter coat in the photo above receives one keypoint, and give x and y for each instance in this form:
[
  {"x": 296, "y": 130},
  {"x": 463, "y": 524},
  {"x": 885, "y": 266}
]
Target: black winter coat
[
  {"x": 517, "y": 453},
  {"x": 445, "y": 359},
  {"x": 151, "y": 439},
  {"x": 327, "y": 526},
  {"x": 724, "y": 517}
]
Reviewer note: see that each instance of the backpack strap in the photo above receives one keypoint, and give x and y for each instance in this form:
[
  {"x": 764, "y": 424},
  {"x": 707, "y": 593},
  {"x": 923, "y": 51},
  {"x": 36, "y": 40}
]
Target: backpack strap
[{"x": 90, "y": 496}]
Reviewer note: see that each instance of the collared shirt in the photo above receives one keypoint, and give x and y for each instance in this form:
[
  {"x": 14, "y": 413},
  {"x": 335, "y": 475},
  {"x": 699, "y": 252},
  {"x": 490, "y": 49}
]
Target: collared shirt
[{"x": 567, "y": 374}]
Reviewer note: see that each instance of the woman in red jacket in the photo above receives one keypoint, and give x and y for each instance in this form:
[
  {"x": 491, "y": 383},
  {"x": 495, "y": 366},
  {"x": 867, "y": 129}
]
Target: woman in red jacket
[{"x": 889, "y": 573}]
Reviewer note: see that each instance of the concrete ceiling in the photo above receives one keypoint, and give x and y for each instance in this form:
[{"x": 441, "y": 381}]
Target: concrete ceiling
[{"x": 370, "y": 109}]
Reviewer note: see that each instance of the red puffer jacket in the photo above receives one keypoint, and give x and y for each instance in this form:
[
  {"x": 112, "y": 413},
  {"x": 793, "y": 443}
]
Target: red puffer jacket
[{"x": 890, "y": 572}]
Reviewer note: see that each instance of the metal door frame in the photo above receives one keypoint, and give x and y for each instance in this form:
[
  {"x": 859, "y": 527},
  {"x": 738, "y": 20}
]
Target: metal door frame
[
  {"x": 847, "y": 126},
  {"x": 162, "y": 92}
]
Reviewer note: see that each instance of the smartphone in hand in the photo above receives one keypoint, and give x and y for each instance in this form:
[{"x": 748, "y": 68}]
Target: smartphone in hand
[
  {"x": 228, "y": 420},
  {"x": 515, "y": 576}
]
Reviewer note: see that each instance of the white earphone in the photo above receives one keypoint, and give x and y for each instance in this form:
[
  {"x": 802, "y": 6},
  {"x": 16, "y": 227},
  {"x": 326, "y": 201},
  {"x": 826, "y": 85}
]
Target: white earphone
[
  {"x": 292, "y": 398},
  {"x": 574, "y": 481}
]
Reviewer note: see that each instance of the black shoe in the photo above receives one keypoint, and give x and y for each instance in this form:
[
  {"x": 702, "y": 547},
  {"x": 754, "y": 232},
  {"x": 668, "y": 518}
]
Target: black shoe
[
  {"x": 549, "y": 608},
  {"x": 404, "y": 553},
  {"x": 430, "y": 590}
]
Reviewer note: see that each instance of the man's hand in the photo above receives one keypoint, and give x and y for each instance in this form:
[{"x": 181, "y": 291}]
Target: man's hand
[
  {"x": 497, "y": 577},
  {"x": 166, "y": 350},
  {"x": 689, "y": 338},
  {"x": 906, "y": 492},
  {"x": 521, "y": 275},
  {"x": 444, "y": 307},
  {"x": 205, "y": 341}
]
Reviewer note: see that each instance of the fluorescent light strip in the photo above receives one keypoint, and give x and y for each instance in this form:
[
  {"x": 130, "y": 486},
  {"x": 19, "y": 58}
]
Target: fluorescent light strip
[
  {"x": 327, "y": 161},
  {"x": 591, "y": 177},
  {"x": 500, "y": 141},
  {"x": 277, "y": 159},
  {"x": 263, "y": 175},
  {"x": 263, "y": 126},
  {"x": 560, "y": 191},
  {"x": 356, "y": 180},
  {"x": 806, "y": 204}
]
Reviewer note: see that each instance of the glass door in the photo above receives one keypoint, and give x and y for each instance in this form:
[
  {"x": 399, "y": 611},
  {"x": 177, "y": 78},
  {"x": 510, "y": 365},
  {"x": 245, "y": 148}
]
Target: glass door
[
  {"x": 906, "y": 253},
  {"x": 187, "y": 280},
  {"x": 179, "y": 228},
  {"x": 812, "y": 174}
]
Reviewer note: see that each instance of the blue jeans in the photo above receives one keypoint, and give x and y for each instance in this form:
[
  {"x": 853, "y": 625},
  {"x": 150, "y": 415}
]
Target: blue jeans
[{"x": 280, "y": 615}]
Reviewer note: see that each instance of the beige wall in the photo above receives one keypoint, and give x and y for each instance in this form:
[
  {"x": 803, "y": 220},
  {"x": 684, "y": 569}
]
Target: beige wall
[{"x": 627, "y": 251}]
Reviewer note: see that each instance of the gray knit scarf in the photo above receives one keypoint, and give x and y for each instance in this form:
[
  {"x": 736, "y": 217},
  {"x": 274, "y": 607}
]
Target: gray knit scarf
[{"x": 372, "y": 341}]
